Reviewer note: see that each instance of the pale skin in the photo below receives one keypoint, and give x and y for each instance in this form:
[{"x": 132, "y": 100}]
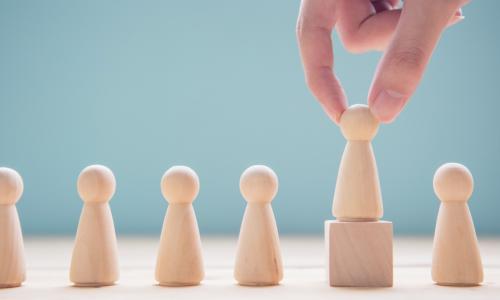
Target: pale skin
[{"x": 407, "y": 34}]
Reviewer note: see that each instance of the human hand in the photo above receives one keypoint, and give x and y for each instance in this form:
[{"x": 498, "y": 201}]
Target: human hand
[{"x": 408, "y": 35}]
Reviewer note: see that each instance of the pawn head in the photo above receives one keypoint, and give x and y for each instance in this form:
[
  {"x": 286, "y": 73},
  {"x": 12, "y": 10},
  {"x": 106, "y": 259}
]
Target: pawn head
[
  {"x": 453, "y": 183},
  {"x": 258, "y": 184},
  {"x": 358, "y": 123},
  {"x": 180, "y": 184},
  {"x": 96, "y": 184},
  {"x": 11, "y": 186}
]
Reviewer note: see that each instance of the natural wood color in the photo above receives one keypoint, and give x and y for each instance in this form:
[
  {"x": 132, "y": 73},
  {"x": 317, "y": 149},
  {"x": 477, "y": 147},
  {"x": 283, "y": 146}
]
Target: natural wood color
[
  {"x": 180, "y": 260},
  {"x": 95, "y": 255},
  {"x": 453, "y": 182},
  {"x": 258, "y": 256},
  {"x": 12, "y": 261},
  {"x": 456, "y": 258},
  {"x": 357, "y": 194},
  {"x": 359, "y": 254},
  {"x": 180, "y": 184}
]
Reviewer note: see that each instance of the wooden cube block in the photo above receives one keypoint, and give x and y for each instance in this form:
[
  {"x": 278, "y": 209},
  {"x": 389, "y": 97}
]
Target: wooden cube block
[{"x": 359, "y": 254}]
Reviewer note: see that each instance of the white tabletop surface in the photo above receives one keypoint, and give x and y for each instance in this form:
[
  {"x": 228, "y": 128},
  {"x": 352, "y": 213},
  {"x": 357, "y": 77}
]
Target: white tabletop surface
[{"x": 304, "y": 275}]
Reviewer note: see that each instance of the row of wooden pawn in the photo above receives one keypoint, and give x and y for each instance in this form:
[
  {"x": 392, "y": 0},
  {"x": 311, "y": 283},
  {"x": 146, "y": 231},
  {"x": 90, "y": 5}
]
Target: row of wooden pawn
[
  {"x": 179, "y": 263},
  {"x": 456, "y": 257}
]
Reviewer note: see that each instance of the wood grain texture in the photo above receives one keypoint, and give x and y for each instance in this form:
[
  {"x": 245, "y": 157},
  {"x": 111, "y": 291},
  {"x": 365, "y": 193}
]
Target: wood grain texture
[
  {"x": 95, "y": 255},
  {"x": 359, "y": 254},
  {"x": 456, "y": 257},
  {"x": 258, "y": 258},
  {"x": 258, "y": 255},
  {"x": 180, "y": 261},
  {"x": 303, "y": 257},
  {"x": 12, "y": 261}
]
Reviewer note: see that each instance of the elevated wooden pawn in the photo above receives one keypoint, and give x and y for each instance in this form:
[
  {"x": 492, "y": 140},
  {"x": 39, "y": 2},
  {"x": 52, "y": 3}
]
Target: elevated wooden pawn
[
  {"x": 258, "y": 256},
  {"x": 357, "y": 194},
  {"x": 12, "y": 261},
  {"x": 359, "y": 254},
  {"x": 95, "y": 256},
  {"x": 180, "y": 261},
  {"x": 456, "y": 259},
  {"x": 358, "y": 246}
]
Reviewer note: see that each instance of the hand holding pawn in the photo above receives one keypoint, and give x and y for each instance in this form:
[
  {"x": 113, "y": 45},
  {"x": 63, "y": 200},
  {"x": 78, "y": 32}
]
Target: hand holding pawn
[
  {"x": 456, "y": 259},
  {"x": 95, "y": 255},
  {"x": 258, "y": 258},
  {"x": 12, "y": 262}
]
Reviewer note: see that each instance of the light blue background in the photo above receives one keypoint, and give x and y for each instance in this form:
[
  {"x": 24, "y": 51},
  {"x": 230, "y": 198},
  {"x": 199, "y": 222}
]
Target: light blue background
[{"x": 218, "y": 86}]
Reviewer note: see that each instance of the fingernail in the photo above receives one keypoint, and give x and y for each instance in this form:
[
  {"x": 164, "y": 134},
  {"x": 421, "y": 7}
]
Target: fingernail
[
  {"x": 456, "y": 19},
  {"x": 459, "y": 15},
  {"x": 387, "y": 106}
]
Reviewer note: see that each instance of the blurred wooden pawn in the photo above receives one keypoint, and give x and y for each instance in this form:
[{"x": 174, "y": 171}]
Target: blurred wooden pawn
[
  {"x": 456, "y": 259},
  {"x": 95, "y": 255},
  {"x": 180, "y": 261},
  {"x": 258, "y": 258},
  {"x": 12, "y": 263}
]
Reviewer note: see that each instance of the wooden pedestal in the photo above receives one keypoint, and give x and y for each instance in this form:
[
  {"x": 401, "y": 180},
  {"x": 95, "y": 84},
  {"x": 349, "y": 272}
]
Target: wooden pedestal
[{"x": 359, "y": 254}]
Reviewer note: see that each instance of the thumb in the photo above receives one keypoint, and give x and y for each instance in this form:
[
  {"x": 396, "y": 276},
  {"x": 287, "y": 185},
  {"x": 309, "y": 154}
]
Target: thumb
[{"x": 403, "y": 64}]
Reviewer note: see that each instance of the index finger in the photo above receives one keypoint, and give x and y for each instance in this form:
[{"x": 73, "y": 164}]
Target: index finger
[{"x": 316, "y": 21}]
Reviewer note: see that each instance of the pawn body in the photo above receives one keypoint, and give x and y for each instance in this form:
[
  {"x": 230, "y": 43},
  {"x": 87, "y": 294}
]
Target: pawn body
[
  {"x": 12, "y": 261},
  {"x": 95, "y": 255},
  {"x": 258, "y": 257},
  {"x": 357, "y": 194},
  {"x": 456, "y": 258},
  {"x": 180, "y": 261}
]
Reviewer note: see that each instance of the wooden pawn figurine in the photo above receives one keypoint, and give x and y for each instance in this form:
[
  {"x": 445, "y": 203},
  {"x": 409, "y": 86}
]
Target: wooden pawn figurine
[
  {"x": 456, "y": 259},
  {"x": 357, "y": 194},
  {"x": 258, "y": 258},
  {"x": 180, "y": 261},
  {"x": 95, "y": 256},
  {"x": 12, "y": 262}
]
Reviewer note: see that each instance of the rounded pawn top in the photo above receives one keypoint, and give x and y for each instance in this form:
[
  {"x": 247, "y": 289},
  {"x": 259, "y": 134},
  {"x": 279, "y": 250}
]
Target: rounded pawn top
[
  {"x": 453, "y": 183},
  {"x": 180, "y": 184},
  {"x": 96, "y": 184},
  {"x": 11, "y": 186},
  {"x": 258, "y": 184},
  {"x": 358, "y": 123}
]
